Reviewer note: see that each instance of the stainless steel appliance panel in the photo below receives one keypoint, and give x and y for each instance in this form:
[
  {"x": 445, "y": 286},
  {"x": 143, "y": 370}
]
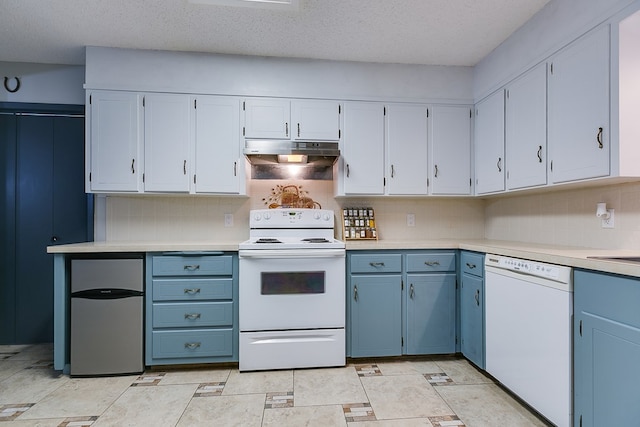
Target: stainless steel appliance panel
[{"x": 107, "y": 304}]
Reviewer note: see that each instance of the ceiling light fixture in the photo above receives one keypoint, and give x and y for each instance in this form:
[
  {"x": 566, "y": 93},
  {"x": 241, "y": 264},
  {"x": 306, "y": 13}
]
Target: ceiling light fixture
[{"x": 260, "y": 4}]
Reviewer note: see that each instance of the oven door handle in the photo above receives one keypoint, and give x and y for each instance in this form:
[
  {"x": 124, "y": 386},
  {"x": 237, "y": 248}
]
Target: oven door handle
[{"x": 291, "y": 253}]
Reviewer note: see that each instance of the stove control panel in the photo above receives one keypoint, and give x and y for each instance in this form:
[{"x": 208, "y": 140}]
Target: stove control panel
[{"x": 291, "y": 218}]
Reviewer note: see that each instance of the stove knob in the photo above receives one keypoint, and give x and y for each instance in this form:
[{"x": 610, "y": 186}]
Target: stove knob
[
  {"x": 257, "y": 217},
  {"x": 267, "y": 216},
  {"x": 316, "y": 215},
  {"x": 327, "y": 217}
]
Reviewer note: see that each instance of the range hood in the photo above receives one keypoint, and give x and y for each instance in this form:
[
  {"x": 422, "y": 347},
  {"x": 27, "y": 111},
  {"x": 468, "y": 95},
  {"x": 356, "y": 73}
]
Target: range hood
[{"x": 317, "y": 153}]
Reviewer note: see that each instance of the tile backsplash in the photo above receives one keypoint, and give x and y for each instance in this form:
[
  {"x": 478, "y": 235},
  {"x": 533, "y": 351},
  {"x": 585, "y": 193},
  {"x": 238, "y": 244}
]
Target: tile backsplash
[
  {"x": 201, "y": 218},
  {"x": 567, "y": 217},
  {"x": 564, "y": 217}
]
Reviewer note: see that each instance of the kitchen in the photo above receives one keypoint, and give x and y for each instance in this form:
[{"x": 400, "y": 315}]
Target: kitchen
[{"x": 551, "y": 218}]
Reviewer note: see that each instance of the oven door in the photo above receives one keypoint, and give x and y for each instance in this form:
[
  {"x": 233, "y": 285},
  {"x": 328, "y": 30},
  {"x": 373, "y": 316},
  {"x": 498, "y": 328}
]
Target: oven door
[{"x": 285, "y": 289}]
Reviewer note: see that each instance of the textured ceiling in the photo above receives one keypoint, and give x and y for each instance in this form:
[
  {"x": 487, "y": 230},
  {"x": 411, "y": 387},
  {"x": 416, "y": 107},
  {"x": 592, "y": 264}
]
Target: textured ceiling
[{"x": 436, "y": 32}]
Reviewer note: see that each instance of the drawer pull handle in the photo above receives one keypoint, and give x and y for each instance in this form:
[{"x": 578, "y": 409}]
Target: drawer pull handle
[
  {"x": 192, "y": 267},
  {"x": 191, "y": 345},
  {"x": 471, "y": 265},
  {"x": 431, "y": 263},
  {"x": 376, "y": 264},
  {"x": 192, "y": 291},
  {"x": 192, "y": 316}
]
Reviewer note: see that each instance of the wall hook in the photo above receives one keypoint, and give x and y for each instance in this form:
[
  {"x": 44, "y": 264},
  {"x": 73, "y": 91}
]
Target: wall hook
[{"x": 17, "y": 85}]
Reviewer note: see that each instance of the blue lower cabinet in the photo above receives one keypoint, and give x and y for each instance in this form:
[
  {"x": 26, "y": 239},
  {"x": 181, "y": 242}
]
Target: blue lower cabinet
[
  {"x": 430, "y": 301},
  {"x": 191, "y": 308},
  {"x": 472, "y": 307},
  {"x": 375, "y": 327},
  {"x": 606, "y": 349},
  {"x": 401, "y": 302}
]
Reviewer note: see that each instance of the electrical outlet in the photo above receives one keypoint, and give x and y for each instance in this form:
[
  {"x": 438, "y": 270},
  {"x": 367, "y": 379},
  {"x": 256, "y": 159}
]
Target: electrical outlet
[
  {"x": 608, "y": 223},
  {"x": 228, "y": 220},
  {"x": 411, "y": 220}
]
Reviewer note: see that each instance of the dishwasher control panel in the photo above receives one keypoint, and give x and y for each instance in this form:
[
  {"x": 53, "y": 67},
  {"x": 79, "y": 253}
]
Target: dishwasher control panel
[{"x": 558, "y": 273}]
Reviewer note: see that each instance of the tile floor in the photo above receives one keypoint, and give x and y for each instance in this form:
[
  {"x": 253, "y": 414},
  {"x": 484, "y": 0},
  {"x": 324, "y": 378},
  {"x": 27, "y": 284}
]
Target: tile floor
[{"x": 434, "y": 392}]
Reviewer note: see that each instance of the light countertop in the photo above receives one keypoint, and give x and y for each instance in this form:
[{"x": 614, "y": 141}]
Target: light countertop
[{"x": 563, "y": 255}]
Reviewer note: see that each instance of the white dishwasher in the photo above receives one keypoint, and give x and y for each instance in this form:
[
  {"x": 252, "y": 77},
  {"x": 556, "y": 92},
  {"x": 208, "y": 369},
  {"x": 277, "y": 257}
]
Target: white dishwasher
[{"x": 528, "y": 314}]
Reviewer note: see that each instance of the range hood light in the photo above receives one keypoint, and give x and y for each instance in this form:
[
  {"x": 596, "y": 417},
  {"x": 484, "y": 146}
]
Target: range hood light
[{"x": 292, "y": 158}]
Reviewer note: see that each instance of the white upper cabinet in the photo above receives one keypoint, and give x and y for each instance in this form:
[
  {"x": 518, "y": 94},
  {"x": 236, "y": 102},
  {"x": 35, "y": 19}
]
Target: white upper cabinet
[
  {"x": 291, "y": 119},
  {"x": 267, "y": 118},
  {"x": 579, "y": 109},
  {"x": 362, "y": 152},
  {"x": 526, "y": 129},
  {"x": 217, "y": 158},
  {"x": 450, "y": 159},
  {"x": 114, "y": 142},
  {"x": 166, "y": 143},
  {"x": 406, "y": 132},
  {"x": 315, "y": 120},
  {"x": 489, "y": 144}
]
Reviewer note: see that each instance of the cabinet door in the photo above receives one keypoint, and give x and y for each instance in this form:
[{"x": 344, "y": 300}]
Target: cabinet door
[
  {"x": 472, "y": 318},
  {"x": 579, "y": 109},
  {"x": 217, "y": 145},
  {"x": 363, "y": 154},
  {"x": 375, "y": 303},
  {"x": 407, "y": 149},
  {"x": 450, "y": 150},
  {"x": 526, "y": 130},
  {"x": 606, "y": 334},
  {"x": 166, "y": 143},
  {"x": 115, "y": 140},
  {"x": 430, "y": 313},
  {"x": 267, "y": 118},
  {"x": 316, "y": 120},
  {"x": 489, "y": 144}
]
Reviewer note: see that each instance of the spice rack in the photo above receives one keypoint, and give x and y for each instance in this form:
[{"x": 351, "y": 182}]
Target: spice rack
[{"x": 359, "y": 224}]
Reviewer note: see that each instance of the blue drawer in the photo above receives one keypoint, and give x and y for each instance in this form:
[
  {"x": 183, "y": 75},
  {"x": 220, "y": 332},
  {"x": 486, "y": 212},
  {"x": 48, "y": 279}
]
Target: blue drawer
[
  {"x": 431, "y": 262},
  {"x": 472, "y": 263},
  {"x": 192, "y": 289},
  {"x": 192, "y": 343},
  {"x": 219, "y": 265},
  {"x": 192, "y": 314},
  {"x": 376, "y": 263}
]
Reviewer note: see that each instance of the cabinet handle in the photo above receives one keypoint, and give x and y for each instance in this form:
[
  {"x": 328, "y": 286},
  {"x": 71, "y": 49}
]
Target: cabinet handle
[
  {"x": 599, "y": 138},
  {"x": 133, "y": 165},
  {"x": 499, "y": 164},
  {"x": 540, "y": 154},
  {"x": 235, "y": 168},
  {"x": 469, "y": 265},
  {"x": 192, "y": 267},
  {"x": 298, "y": 130},
  {"x": 191, "y": 345},
  {"x": 435, "y": 175},
  {"x": 431, "y": 263},
  {"x": 477, "y": 296},
  {"x": 411, "y": 291},
  {"x": 393, "y": 172},
  {"x": 286, "y": 129},
  {"x": 184, "y": 167},
  {"x": 192, "y": 316},
  {"x": 347, "y": 170},
  {"x": 376, "y": 264},
  {"x": 191, "y": 291},
  {"x": 355, "y": 292},
  {"x": 54, "y": 239}
]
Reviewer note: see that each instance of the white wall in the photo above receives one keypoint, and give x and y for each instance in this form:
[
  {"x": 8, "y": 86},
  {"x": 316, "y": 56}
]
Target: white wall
[
  {"x": 186, "y": 72},
  {"x": 557, "y": 24},
  {"x": 43, "y": 83}
]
